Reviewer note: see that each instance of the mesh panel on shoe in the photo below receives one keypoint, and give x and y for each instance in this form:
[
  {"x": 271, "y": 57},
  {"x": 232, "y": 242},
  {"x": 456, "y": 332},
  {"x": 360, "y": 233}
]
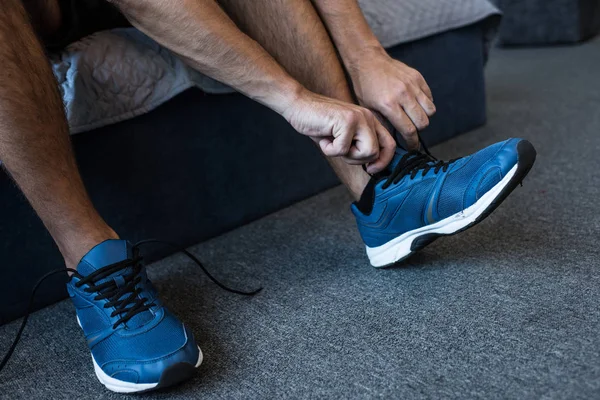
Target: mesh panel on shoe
[
  {"x": 159, "y": 341},
  {"x": 92, "y": 320},
  {"x": 452, "y": 193},
  {"x": 140, "y": 319}
]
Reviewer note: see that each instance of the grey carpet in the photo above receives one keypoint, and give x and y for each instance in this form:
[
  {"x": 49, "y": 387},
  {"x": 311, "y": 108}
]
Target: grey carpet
[{"x": 508, "y": 309}]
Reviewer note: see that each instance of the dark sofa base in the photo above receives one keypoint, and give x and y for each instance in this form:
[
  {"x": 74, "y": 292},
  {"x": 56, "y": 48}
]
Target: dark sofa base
[
  {"x": 201, "y": 165},
  {"x": 544, "y": 22}
]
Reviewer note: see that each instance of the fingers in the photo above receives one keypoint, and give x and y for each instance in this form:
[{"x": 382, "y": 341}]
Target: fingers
[
  {"x": 387, "y": 147},
  {"x": 422, "y": 84},
  {"x": 365, "y": 146},
  {"x": 354, "y": 137},
  {"x": 408, "y": 104},
  {"x": 415, "y": 112},
  {"x": 401, "y": 121},
  {"x": 409, "y": 112},
  {"x": 335, "y": 147},
  {"x": 422, "y": 94},
  {"x": 338, "y": 145},
  {"x": 359, "y": 138},
  {"x": 426, "y": 104}
]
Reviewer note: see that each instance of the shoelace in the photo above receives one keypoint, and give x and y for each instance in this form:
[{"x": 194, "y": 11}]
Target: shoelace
[
  {"x": 415, "y": 161},
  {"x": 126, "y": 307}
]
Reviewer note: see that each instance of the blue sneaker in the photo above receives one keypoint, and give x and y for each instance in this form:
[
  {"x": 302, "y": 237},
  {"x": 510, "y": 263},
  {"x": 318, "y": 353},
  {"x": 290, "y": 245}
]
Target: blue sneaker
[
  {"x": 136, "y": 343},
  {"x": 419, "y": 198}
]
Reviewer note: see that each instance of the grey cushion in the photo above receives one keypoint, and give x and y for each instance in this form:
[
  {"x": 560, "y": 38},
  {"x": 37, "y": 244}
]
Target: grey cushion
[
  {"x": 118, "y": 74},
  {"x": 401, "y": 21}
]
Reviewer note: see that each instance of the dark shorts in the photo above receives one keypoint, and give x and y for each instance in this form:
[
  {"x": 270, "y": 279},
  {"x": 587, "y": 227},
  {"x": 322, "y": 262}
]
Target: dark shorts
[{"x": 84, "y": 17}]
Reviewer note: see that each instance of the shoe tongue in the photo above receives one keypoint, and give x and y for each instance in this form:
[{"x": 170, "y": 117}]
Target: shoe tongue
[
  {"x": 399, "y": 153},
  {"x": 107, "y": 253},
  {"x": 397, "y": 157}
]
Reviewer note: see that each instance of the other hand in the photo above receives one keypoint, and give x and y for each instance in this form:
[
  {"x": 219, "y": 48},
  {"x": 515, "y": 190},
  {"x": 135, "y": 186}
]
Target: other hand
[
  {"x": 342, "y": 130},
  {"x": 395, "y": 90}
]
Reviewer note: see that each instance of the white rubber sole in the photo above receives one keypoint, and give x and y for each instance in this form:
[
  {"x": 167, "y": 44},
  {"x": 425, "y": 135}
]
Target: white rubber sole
[
  {"x": 400, "y": 247},
  {"x": 119, "y": 386}
]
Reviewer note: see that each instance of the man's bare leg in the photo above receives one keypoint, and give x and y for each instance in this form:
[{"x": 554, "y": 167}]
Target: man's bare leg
[
  {"x": 45, "y": 16},
  {"x": 293, "y": 33},
  {"x": 34, "y": 140}
]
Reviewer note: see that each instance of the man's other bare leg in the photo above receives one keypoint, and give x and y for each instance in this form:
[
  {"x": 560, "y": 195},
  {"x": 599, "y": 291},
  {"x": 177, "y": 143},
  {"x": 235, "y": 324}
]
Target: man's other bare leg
[
  {"x": 293, "y": 33},
  {"x": 34, "y": 140}
]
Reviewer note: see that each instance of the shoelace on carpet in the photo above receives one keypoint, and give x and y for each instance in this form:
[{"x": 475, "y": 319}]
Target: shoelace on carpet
[{"x": 126, "y": 307}]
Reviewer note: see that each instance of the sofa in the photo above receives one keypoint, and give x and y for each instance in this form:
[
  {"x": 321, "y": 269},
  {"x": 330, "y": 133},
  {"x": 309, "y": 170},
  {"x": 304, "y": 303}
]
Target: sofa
[
  {"x": 201, "y": 164},
  {"x": 548, "y": 22}
]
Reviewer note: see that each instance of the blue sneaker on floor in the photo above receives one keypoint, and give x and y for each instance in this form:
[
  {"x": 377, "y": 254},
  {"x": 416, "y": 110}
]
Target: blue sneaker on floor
[
  {"x": 418, "y": 198},
  {"x": 136, "y": 343}
]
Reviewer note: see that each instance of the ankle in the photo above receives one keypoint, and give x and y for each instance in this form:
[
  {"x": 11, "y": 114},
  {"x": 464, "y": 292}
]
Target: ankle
[
  {"x": 357, "y": 185},
  {"x": 76, "y": 246}
]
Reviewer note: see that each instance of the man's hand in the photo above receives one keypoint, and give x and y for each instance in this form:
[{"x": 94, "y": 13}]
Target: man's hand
[
  {"x": 342, "y": 130},
  {"x": 381, "y": 83},
  {"x": 395, "y": 90}
]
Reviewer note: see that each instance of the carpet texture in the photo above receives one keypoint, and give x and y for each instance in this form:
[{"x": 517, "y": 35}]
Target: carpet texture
[{"x": 508, "y": 309}]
